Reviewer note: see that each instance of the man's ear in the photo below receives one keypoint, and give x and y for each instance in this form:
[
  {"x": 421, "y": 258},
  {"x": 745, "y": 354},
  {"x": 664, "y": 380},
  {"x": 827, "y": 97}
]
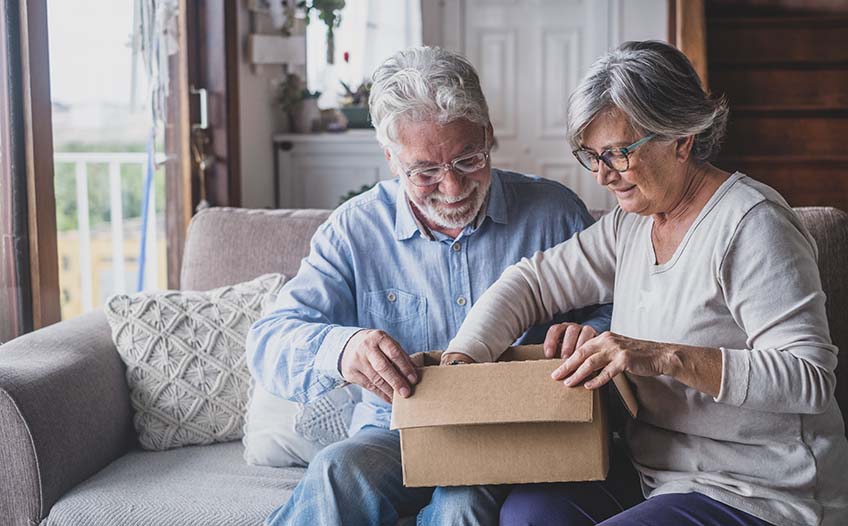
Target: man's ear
[
  {"x": 683, "y": 148},
  {"x": 388, "y": 154}
]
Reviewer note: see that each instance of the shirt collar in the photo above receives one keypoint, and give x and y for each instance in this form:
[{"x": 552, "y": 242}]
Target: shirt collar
[{"x": 407, "y": 224}]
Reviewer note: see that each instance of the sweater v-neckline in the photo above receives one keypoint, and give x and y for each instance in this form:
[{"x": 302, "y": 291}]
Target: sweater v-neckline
[{"x": 657, "y": 268}]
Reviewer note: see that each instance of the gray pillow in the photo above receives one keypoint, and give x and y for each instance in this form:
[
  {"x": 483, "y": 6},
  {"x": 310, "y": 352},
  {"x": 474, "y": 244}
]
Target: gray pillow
[{"x": 185, "y": 358}]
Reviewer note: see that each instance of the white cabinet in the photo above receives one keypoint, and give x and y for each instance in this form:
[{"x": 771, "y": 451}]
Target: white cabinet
[{"x": 315, "y": 170}]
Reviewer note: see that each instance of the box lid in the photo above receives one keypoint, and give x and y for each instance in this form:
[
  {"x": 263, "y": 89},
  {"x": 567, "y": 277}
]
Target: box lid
[{"x": 487, "y": 393}]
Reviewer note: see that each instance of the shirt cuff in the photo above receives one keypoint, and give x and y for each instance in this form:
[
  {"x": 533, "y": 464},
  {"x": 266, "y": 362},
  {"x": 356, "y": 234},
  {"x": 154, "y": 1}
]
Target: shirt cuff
[
  {"x": 328, "y": 358},
  {"x": 735, "y": 376}
]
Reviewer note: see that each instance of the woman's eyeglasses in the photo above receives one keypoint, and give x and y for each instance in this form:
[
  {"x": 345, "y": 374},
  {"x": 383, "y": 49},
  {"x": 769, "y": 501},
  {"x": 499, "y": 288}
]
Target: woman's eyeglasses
[{"x": 617, "y": 159}]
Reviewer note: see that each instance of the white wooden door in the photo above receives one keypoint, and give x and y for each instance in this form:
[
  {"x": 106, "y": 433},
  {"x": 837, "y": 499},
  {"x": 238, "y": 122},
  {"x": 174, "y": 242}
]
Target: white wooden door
[{"x": 530, "y": 54}]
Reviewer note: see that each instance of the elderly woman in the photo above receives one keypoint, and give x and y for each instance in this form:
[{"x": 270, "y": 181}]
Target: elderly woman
[{"x": 719, "y": 318}]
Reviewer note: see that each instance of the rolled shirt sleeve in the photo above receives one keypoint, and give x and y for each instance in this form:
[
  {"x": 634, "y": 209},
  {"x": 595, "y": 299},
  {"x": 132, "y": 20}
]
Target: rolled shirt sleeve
[{"x": 294, "y": 350}]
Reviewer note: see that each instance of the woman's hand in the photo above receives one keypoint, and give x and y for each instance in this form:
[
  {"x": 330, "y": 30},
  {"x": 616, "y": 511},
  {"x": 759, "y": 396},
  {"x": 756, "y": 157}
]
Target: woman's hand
[
  {"x": 564, "y": 338},
  {"x": 449, "y": 357},
  {"x": 611, "y": 354}
]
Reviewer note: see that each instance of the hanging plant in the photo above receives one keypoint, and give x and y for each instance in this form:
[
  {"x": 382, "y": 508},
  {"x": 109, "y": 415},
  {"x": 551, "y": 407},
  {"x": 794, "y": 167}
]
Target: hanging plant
[{"x": 329, "y": 12}]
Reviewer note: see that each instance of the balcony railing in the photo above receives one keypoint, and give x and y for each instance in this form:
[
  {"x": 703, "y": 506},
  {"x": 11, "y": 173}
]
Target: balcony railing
[{"x": 114, "y": 161}]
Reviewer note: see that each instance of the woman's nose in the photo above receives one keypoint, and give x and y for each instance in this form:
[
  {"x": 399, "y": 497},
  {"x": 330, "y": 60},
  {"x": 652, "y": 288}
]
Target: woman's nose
[{"x": 605, "y": 175}]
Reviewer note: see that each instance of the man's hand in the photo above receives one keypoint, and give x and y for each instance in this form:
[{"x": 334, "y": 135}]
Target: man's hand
[
  {"x": 450, "y": 357},
  {"x": 375, "y": 361},
  {"x": 565, "y": 338}
]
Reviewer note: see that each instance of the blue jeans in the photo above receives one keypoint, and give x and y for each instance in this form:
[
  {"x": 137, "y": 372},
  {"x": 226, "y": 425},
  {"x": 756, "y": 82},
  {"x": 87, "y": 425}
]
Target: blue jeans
[{"x": 359, "y": 481}]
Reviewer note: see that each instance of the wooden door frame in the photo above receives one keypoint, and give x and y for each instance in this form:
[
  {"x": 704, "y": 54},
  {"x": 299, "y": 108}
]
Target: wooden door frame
[
  {"x": 210, "y": 33},
  {"x": 38, "y": 160},
  {"x": 687, "y": 30}
]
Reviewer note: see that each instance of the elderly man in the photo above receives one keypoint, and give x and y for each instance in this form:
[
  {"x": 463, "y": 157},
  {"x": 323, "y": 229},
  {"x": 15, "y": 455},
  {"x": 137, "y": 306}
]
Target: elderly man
[{"x": 395, "y": 271}]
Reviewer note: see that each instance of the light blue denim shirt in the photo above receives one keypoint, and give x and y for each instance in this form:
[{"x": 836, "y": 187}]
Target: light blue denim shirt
[{"x": 371, "y": 266}]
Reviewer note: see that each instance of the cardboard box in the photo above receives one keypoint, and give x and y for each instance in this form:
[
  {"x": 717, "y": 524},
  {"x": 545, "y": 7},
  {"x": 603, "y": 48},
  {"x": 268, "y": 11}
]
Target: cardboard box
[{"x": 506, "y": 422}]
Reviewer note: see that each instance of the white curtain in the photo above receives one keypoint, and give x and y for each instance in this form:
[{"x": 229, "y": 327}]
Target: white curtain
[{"x": 370, "y": 32}]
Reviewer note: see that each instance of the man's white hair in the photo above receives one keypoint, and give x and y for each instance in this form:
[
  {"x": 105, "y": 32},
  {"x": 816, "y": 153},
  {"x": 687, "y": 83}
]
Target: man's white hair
[{"x": 424, "y": 84}]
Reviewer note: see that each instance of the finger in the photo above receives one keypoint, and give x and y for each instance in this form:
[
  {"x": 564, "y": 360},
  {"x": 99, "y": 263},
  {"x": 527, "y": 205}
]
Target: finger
[
  {"x": 590, "y": 365},
  {"x": 374, "y": 378},
  {"x": 569, "y": 340},
  {"x": 386, "y": 369},
  {"x": 586, "y": 334},
  {"x": 608, "y": 373},
  {"x": 399, "y": 358},
  {"x": 385, "y": 390},
  {"x": 552, "y": 339},
  {"x": 570, "y": 364},
  {"x": 360, "y": 379}
]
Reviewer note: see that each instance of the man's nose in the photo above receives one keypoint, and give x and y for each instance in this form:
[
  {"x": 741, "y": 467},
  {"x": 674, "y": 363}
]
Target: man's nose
[{"x": 453, "y": 183}]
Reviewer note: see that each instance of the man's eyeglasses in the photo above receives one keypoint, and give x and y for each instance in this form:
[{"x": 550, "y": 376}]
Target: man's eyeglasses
[
  {"x": 463, "y": 165},
  {"x": 617, "y": 159}
]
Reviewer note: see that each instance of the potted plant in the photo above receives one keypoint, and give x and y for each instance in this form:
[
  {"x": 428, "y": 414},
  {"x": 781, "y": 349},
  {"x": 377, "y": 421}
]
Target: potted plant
[
  {"x": 354, "y": 105},
  {"x": 329, "y": 12},
  {"x": 299, "y": 104}
]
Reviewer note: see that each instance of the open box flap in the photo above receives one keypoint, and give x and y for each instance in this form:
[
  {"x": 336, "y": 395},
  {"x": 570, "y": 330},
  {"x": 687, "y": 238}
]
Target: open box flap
[
  {"x": 487, "y": 393},
  {"x": 626, "y": 394}
]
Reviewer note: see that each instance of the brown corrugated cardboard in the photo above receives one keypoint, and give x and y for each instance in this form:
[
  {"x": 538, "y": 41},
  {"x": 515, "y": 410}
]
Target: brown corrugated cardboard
[{"x": 501, "y": 423}]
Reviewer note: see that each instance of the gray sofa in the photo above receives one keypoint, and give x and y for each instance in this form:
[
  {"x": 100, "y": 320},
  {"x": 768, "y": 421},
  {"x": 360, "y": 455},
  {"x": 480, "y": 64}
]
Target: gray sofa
[{"x": 67, "y": 448}]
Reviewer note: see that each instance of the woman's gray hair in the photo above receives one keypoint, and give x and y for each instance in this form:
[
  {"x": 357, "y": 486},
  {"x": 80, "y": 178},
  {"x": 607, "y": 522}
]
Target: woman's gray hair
[
  {"x": 425, "y": 83},
  {"x": 656, "y": 87}
]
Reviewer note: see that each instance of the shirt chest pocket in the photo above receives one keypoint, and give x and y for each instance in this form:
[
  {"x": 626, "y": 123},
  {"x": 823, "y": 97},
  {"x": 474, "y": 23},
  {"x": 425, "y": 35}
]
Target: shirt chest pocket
[{"x": 401, "y": 314}]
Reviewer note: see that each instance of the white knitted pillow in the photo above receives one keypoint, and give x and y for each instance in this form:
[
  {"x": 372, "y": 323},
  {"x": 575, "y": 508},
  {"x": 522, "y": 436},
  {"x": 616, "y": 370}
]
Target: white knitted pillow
[
  {"x": 185, "y": 358},
  {"x": 280, "y": 433}
]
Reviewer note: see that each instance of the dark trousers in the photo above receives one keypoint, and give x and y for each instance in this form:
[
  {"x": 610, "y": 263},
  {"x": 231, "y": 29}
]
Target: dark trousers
[{"x": 616, "y": 501}]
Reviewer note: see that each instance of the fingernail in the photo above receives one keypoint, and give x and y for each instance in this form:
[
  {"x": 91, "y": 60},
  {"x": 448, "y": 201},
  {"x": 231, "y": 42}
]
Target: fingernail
[
  {"x": 568, "y": 381},
  {"x": 411, "y": 378},
  {"x": 404, "y": 392}
]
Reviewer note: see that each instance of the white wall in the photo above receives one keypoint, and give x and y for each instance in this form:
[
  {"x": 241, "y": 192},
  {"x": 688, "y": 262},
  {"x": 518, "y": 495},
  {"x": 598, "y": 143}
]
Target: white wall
[{"x": 259, "y": 120}]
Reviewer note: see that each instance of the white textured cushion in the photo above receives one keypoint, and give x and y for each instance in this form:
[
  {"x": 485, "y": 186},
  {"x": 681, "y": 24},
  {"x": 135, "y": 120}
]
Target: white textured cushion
[
  {"x": 185, "y": 358},
  {"x": 281, "y": 433}
]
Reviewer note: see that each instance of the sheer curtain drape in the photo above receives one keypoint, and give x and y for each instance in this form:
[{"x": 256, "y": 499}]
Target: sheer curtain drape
[{"x": 370, "y": 32}]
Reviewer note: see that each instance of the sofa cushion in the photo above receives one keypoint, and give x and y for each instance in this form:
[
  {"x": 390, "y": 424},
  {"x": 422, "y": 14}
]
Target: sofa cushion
[
  {"x": 191, "y": 486},
  {"x": 185, "y": 359},
  {"x": 829, "y": 227},
  {"x": 230, "y": 245}
]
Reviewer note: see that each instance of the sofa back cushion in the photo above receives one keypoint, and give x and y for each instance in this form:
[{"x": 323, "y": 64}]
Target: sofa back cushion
[
  {"x": 226, "y": 246},
  {"x": 829, "y": 227}
]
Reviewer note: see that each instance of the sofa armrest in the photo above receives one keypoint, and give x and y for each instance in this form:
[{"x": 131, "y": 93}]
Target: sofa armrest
[{"x": 64, "y": 413}]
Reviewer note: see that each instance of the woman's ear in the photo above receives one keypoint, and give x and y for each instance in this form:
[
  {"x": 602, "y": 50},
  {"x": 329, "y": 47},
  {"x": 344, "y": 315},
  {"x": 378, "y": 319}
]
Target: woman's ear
[{"x": 683, "y": 148}]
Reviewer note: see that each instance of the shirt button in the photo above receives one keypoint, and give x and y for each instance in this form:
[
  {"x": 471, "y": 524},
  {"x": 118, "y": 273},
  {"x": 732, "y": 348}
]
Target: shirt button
[
  {"x": 457, "y": 247},
  {"x": 461, "y": 300},
  {"x": 391, "y": 296}
]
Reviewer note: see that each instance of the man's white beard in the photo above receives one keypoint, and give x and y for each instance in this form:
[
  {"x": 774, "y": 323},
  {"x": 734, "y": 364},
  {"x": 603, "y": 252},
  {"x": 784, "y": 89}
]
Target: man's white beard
[{"x": 453, "y": 217}]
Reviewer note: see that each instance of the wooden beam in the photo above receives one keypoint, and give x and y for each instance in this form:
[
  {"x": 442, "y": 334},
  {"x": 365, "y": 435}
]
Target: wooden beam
[
  {"x": 691, "y": 33},
  {"x": 179, "y": 197},
  {"x": 38, "y": 132}
]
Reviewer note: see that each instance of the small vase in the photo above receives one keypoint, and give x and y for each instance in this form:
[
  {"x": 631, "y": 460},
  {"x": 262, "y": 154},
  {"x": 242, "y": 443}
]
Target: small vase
[{"x": 307, "y": 117}]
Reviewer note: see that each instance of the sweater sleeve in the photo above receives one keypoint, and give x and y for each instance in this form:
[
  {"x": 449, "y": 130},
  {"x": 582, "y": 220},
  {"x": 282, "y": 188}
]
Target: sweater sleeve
[
  {"x": 772, "y": 287},
  {"x": 574, "y": 274}
]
